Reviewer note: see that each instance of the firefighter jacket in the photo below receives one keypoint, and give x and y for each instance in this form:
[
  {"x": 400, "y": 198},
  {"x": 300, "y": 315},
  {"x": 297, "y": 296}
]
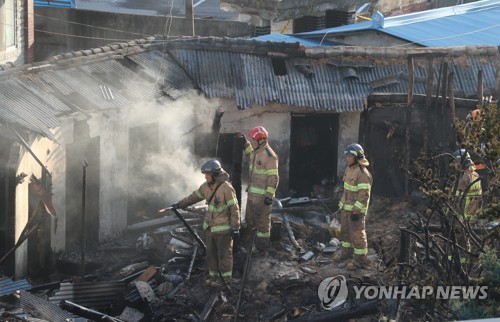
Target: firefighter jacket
[
  {"x": 263, "y": 171},
  {"x": 223, "y": 212},
  {"x": 357, "y": 186},
  {"x": 471, "y": 186}
]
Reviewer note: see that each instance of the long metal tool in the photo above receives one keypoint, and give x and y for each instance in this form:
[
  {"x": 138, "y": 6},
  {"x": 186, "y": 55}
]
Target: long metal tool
[
  {"x": 188, "y": 227},
  {"x": 245, "y": 274}
]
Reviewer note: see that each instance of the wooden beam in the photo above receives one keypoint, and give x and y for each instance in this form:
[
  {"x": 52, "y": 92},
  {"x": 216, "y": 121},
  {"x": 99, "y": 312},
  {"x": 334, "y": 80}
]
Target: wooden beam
[{"x": 409, "y": 104}]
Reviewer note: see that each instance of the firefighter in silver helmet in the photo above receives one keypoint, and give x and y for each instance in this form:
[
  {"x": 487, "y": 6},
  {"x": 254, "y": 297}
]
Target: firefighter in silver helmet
[{"x": 222, "y": 220}]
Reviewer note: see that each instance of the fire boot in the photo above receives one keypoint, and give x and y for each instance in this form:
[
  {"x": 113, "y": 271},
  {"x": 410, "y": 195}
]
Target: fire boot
[
  {"x": 345, "y": 254},
  {"x": 359, "y": 262},
  {"x": 212, "y": 282}
]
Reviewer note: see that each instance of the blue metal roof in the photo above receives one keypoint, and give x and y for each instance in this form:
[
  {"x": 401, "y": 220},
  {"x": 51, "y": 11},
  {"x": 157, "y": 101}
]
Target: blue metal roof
[
  {"x": 470, "y": 24},
  {"x": 56, "y": 3},
  {"x": 293, "y": 39}
]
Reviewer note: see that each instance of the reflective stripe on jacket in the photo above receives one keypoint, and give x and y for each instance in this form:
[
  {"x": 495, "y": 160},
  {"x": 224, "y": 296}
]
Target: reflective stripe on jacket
[
  {"x": 474, "y": 192},
  {"x": 263, "y": 170},
  {"x": 357, "y": 188},
  {"x": 223, "y": 212}
]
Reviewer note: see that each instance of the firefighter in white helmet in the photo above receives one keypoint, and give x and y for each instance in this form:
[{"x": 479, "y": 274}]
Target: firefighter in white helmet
[
  {"x": 262, "y": 183},
  {"x": 353, "y": 207}
]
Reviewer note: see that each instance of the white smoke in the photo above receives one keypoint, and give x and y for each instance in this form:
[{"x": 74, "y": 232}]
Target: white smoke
[{"x": 175, "y": 168}]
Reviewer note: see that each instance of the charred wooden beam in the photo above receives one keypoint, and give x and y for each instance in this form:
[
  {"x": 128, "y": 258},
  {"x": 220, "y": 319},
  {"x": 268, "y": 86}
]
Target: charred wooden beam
[
  {"x": 190, "y": 268},
  {"x": 342, "y": 313},
  {"x": 236, "y": 171},
  {"x": 209, "y": 307},
  {"x": 409, "y": 108},
  {"x": 418, "y": 99},
  {"x": 428, "y": 102},
  {"x": 290, "y": 233}
]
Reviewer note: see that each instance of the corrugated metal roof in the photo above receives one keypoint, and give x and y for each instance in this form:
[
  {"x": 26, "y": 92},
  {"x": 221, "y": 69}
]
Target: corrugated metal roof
[
  {"x": 8, "y": 286},
  {"x": 250, "y": 79},
  {"x": 470, "y": 24},
  {"x": 159, "y": 65},
  {"x": 51, "y": 94},
  {"x": 89, "y": 294},
  {"x": 44, "y": 309},
  {"x": 55, "y": 3},
  {"x": 294, "y": 39}
]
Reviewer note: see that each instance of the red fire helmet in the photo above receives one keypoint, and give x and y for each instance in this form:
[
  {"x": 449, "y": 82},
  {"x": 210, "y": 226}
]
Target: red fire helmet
[{"x": 258, "y": 132}]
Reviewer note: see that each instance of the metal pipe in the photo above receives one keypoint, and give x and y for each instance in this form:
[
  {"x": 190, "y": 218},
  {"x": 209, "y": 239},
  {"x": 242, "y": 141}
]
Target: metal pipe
[
  {"x": 84, "y": 198},
  {"x": 193, "y": 233},
  {"x": 245, "y": 273}
]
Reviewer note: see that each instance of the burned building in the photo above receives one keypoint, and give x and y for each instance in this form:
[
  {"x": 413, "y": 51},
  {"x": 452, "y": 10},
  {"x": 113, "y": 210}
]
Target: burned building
[{"x": 127, "y": 113}]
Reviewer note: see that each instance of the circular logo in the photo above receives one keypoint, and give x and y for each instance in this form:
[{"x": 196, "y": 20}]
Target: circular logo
[{"x": 332, "y": 292}]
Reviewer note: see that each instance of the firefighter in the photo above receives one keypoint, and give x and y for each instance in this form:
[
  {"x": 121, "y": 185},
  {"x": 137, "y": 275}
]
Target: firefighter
[
  {"x": 262, "y": 183},
  {"x": 222, "y": 220},
  {"x": 353, "y": 206},
  {"x": 469, "y": 184}
]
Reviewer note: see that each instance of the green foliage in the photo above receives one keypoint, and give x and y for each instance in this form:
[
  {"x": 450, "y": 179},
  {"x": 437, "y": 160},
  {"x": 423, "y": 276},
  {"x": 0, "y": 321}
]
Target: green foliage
[
  {"x": 487, "y": 308},
  {"x": 491, "y": 264}
]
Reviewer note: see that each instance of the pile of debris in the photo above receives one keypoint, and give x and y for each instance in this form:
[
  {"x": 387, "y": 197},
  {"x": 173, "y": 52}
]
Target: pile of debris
[{"x": 157, "y": 271}]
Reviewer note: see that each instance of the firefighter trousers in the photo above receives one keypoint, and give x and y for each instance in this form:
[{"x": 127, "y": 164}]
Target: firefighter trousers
[
  {"x": 258, "y": 215},
  {"x": 353, "y": 234},
  {"x": 220, "y": 254}
]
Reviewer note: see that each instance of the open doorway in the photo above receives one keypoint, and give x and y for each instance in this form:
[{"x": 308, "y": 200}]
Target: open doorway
[
  {"x": 313, "y": 151},
  {"x": 83, "y": 148}
]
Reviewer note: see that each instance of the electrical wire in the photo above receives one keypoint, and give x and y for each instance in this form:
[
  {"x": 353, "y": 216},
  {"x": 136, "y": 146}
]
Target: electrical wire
[{"x": 166, "y": 32}]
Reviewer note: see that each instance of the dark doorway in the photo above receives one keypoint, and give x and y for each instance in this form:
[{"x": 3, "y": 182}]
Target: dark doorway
[
  {"x": 313, "y": 151},
  {"x": 143, "y": 198},
  {"x": 8, "y": 183},
  {"x": 83, "y": 148}
]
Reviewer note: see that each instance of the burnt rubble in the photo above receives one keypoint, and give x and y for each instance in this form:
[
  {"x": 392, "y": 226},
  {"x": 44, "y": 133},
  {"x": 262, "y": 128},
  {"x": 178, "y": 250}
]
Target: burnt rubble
[{"x": 156, "y": 272}]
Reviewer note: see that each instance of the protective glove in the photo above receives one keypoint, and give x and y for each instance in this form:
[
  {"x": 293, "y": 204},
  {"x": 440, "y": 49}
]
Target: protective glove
[
  {"x": 236, "y": 234},
  {"x": 240, "y": 135},
  {"x": 268, "y": 201},
  {"x": 354, "y": 217},
  {"x": 175, "y": 206}
]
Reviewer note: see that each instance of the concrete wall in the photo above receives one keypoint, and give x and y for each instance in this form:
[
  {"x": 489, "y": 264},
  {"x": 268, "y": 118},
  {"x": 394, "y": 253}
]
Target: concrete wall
[
  {"x": 348, "y": 133},
  {"x": 42, "y": 148},
  {"x": 113, "y": 168},
  {"x": 92, "y": 29},
  {"x": 276, "y": 118}
]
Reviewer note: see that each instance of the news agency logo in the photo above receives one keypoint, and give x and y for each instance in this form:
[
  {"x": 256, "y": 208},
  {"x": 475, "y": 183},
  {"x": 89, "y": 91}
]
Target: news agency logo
[{"x": 332, "y": 292}]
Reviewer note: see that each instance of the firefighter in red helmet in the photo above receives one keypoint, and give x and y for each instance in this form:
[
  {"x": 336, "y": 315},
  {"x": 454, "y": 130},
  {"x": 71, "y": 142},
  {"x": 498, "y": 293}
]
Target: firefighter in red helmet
[{"x": 262, "y": 183}]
